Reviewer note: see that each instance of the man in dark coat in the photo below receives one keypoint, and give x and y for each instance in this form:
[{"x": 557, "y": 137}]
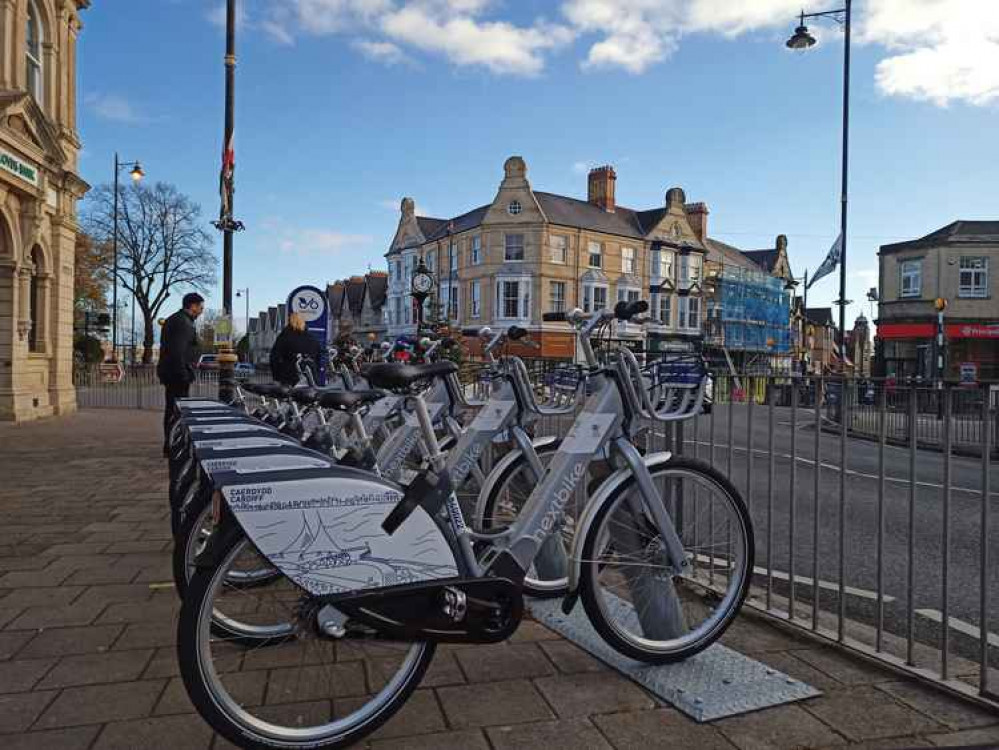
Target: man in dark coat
[
  {"x": 293, "y": 341},
  {"x": 178, "y": 354}
]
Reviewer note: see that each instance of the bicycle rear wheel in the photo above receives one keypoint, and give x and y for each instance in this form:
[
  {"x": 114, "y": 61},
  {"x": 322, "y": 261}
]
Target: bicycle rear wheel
[
  {"x": 633, "y": 598},
  {"x": 328, "y": 686}
]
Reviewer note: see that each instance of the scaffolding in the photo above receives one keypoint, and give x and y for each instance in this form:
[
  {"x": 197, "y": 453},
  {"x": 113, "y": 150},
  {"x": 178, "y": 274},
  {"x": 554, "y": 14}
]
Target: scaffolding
[{"x": 748, "y": 315}]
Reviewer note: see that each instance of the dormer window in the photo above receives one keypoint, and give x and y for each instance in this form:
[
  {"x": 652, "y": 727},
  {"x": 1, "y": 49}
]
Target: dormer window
[{"x": 33, "y": 53}]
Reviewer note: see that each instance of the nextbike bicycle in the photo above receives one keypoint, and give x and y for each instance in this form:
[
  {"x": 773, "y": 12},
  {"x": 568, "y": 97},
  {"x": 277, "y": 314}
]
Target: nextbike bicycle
[{"x": 377, "y": 575}]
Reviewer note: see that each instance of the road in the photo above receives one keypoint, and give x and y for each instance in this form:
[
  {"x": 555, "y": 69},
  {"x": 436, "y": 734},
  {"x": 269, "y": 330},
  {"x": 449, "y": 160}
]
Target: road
[{"x": 794, "y": 494}]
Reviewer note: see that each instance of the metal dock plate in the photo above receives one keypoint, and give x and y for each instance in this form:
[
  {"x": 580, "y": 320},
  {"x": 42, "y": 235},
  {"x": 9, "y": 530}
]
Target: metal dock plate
[{"x": 716, "y": 683}]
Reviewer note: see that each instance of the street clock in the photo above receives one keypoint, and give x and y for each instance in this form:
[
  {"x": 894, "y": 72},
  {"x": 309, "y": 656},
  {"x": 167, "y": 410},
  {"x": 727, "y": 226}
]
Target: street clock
[{"x": 423, "y": 281}]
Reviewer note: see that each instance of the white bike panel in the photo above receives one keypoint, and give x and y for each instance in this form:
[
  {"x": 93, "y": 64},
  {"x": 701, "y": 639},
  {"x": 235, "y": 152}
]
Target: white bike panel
[
  {"x": 326, "y": 534},
  {"x": 235, "y": 444},
  {"x": 251, "y": 464}
]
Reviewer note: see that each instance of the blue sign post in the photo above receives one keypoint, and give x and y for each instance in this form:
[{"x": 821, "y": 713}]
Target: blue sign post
[{"x": 310, "y": 303}]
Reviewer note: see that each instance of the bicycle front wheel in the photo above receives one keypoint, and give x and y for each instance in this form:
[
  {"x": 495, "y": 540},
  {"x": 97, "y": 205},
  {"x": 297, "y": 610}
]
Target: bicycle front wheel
[{"x": 635, "y": 600}]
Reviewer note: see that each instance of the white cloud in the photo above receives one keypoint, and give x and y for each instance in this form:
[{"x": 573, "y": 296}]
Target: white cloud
[
  {"x": 313, "y": 242},
  {"x": 939, "y": 50},
  {"x": 384, "y": 52},
  {"x": 112, "y": 107}
]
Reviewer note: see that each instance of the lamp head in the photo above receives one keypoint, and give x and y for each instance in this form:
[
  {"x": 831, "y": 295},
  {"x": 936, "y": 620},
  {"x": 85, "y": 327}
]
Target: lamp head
[
  {"x": 801, "y": 39},
  {"x": 137, "y": 173}
]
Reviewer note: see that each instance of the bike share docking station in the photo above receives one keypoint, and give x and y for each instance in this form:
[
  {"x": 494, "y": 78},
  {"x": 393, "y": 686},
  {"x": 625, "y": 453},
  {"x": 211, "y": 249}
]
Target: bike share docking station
[{"x": 716, "y": 683}]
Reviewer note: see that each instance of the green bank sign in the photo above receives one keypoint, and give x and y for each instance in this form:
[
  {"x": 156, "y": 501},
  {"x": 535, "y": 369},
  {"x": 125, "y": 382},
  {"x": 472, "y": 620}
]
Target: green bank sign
[{"x": 24, "y": 170}]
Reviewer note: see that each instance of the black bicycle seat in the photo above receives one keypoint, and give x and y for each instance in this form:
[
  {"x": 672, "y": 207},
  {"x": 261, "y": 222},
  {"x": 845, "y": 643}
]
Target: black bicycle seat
[
  {"x": 304, "y": 395},
  {"x": 348, "y": 400},
  {"x": 398, "y": 375},
  {"x": 267, "y": 390}
]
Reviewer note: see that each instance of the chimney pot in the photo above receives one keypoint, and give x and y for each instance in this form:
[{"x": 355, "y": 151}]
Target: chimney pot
[{"x": 600, "y": 187}]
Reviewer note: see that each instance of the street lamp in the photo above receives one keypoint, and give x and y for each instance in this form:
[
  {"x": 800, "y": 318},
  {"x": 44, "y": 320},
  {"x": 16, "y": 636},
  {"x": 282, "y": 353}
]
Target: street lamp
[
  {"x": 803, "y": 40},
  {"x": 245, "y": 293},
  {"x": 136, "y": 174}
]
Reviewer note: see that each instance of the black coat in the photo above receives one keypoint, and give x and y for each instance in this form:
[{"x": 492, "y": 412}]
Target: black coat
[
  {"x": 284, "y": 354},
  {"x": 178, "y": 350}
]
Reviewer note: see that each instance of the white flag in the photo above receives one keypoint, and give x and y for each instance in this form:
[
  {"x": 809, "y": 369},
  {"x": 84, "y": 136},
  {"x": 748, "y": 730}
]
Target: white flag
[{"x": 830, "y": 263}]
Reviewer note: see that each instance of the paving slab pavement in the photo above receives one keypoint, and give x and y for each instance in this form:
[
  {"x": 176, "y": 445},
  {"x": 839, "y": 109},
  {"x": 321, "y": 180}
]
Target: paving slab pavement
[{"x": 87, "y": 632}]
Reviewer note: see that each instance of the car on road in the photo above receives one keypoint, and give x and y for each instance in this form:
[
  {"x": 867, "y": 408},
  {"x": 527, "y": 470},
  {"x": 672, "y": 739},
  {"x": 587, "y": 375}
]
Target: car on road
[
  {"x": 245, "y": 369},
  {"x": 208, "y": 362}
]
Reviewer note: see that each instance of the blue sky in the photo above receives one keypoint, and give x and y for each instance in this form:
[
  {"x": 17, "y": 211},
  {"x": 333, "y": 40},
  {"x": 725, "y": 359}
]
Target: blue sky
[{"x": 344, "y": 106}]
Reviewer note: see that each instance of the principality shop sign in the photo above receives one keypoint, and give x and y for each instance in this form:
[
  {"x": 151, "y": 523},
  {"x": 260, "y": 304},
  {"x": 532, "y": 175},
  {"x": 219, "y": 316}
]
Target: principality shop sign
[{"x": 973, "y": 331}]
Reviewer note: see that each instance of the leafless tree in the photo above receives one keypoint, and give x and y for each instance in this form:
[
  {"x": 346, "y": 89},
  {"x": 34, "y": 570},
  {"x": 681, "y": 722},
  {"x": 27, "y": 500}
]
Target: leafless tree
[{"x": 162, "y": 245}]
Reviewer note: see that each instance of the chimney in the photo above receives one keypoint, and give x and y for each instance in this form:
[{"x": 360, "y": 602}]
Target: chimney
[
  {"x": 697, "y": 217},
  {"x": 600, "y": 187}
]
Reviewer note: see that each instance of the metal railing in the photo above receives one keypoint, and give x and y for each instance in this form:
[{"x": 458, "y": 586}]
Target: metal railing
[
  {"x": 871, "y": 514},
  {"x": 139, "y": 388}
]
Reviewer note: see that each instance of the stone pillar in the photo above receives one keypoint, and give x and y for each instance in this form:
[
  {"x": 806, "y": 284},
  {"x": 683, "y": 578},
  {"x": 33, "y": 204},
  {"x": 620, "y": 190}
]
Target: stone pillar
[{"x": 62, "y": 394}]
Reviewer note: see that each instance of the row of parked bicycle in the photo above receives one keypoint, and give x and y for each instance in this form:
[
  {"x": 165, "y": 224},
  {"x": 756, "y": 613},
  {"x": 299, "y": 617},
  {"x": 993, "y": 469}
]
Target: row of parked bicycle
[{"x": 328, "y": 539}]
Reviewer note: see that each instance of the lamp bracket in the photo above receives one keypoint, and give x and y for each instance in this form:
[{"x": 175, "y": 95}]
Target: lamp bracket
[{"x": 839, "y": 16}]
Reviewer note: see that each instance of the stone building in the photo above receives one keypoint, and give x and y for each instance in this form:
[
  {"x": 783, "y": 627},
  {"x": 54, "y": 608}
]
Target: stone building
[
  {"x": 357, "y": 307},
  {"x": 529, "y": 252},
  {"x": 954, "y": 263},
  {"x": 39, "y": 190}
]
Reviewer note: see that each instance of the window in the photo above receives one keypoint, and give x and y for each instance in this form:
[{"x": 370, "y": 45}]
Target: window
[
  {"x": 476, "y": 252},
  {"x": 560, "y": 248},
  {"x": 689, "y": 312},
  {"x": 627, "y": 294},
  {"x": 690, "y": 269},
  {"x": 449, "y": 300},
  {"x": 33, "y": 53},
  {"x": 514, "y": 208},
  {"x": 596, "y": 255},
  {"x": 430, "y": 261},
  {"x": 396, "y": 316},
  {"x": 627, "y": 260},
  {"x": 513, "y": 298},
  {"x": 974, "y": 280},
  {"x": 662, "y": 264},
  {"x": 397, "y": 265},
  {"x": 475, "y": 299},
  {"x": 594, "y": 298},
  {"x": 409, "y": 269},
  {"x": 514, "y": 247},
  {"x": 557, "y": 296},
  {"x": 910, "y": 278},
  {"x": 453, "y": 257},
  {"x": 34, "y": 304},
  {"x": 664, "y": 309}
]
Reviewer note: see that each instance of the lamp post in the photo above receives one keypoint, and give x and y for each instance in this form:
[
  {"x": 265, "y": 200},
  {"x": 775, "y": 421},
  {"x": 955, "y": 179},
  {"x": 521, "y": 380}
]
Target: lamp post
[
  {"x": 137, "y": 174},
  {"x": 245, "y": 294},
  {"x": 802, "y": 40},
  {"x": 226, "y": 223}
]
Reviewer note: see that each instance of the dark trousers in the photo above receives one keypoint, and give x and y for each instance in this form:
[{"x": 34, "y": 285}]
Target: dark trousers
[{"x": 173, "y": 392}]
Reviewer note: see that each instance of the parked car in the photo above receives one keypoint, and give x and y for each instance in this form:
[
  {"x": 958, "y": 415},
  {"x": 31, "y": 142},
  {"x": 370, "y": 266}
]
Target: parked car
[
  {"x": 208, "y": 362},
  {"x": 245, "y": 369}
]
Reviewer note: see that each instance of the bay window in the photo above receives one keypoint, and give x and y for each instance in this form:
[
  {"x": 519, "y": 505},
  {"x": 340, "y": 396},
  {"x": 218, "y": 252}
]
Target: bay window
[
  {"x": 513, "y": 298},
  {"x": 594, "y": 297}
]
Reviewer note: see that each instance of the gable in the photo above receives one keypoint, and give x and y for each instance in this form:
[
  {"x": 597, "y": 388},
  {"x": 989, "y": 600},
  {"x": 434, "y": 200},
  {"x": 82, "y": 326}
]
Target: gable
[
  {"x": 27, "y": 125},
  {"x": 514, "y": 191}
]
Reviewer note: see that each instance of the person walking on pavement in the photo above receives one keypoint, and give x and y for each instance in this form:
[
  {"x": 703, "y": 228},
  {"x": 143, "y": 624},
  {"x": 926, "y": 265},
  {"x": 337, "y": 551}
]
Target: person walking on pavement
[
  {"x": 293, "y": 341},
  {"x": 178, "y": 353}
]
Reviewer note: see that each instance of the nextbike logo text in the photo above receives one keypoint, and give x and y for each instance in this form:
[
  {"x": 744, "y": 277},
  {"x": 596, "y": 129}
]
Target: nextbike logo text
[
  {"x": 467, "y": 463},
  {"x": 562, "y": 495}
]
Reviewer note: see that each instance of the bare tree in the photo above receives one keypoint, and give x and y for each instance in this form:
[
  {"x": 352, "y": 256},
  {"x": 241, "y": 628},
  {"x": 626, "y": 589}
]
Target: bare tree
[{"x": 161, "y": 245}]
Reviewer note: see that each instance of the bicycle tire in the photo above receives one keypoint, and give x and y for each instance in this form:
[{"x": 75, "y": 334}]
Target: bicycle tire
[
  {"x": 189, "y": 652},
  {"x": 590, "y": 595}
]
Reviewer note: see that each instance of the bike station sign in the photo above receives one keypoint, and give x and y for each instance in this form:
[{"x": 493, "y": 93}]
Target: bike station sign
[{"x": 310, "y": 303}]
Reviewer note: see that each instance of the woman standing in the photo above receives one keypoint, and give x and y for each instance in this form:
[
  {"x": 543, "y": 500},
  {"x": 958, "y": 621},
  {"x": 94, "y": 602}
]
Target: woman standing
[{"x": 293, "y": 341}]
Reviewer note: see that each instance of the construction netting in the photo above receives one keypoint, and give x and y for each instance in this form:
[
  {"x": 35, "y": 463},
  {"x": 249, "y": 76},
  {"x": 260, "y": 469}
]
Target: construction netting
[{"x": 750, "y": 311}]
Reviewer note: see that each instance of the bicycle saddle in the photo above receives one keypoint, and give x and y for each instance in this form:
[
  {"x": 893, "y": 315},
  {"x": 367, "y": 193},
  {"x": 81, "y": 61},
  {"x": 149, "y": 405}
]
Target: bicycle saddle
[
  {"x": 348, "y": 400},
  {"x": 304, "y": 395},
  {"x": 267, "y": 390},
  {"x": 397, "y": 375}
]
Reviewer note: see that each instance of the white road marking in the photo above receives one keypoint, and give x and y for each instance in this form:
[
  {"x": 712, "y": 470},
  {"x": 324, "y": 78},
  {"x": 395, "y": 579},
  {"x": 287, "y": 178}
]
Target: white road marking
[
  {"x": 959, "y": 625},
  {"x": 851, "y": 472}
]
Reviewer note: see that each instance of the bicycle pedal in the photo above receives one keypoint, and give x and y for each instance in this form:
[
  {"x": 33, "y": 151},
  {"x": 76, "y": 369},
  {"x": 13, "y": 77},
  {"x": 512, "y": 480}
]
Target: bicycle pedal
[{"x": 455, "y": 604}]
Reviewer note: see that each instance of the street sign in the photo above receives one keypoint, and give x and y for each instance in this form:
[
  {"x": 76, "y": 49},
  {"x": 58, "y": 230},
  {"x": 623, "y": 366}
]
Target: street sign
[
  {"x": 310, "y": 303},
  {"x": 111, "y": 372},
  {"x": 223, "y": 331},
  {"x": 969, "y": 373}
]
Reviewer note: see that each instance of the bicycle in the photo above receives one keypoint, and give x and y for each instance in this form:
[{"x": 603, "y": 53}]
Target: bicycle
[{"x": 382, "y": 574}]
